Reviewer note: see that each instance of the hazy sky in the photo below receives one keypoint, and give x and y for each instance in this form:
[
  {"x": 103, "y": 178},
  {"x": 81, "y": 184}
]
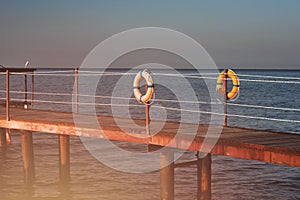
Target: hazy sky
[{"x": 244, "y": 33}]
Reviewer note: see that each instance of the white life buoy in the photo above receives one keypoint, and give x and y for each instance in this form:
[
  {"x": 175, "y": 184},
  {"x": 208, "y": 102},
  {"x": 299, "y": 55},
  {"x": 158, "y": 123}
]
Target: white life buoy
[{"x": 145, "y": 74}]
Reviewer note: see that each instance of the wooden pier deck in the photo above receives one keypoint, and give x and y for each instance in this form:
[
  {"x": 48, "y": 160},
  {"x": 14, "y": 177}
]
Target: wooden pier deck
[{"x": 266, "y": 146}]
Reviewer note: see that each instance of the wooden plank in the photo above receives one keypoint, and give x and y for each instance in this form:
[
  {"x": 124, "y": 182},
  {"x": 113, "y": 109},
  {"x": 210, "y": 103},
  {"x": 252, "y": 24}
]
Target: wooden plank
[
  {"x": 281, "y": 142},
  {"x": 294, "y": 145}
]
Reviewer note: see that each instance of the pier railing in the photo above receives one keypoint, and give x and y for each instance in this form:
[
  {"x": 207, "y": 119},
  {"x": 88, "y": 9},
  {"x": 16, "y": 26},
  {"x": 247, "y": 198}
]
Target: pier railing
[{"x": 244, "y": 78}]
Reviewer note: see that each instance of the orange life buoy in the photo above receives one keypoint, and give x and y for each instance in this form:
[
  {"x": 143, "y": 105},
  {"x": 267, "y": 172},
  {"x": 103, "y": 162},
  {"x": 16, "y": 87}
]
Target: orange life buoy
[{"x": 235, "y": 83}]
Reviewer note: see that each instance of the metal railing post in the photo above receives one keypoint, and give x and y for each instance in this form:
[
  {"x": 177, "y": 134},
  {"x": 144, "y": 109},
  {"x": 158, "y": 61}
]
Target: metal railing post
[
  {"x": 147, "y": 118},
  {"x": 25, "y": 90},
  {"x": 225, "y": 96},
  {"x": 7, "y": 107},
  {"x": 76, "y": 88},
  {"x": 147, "y": 115},
  {"x": 32, "y": 88},
  {"x": 7, "y": 96}
]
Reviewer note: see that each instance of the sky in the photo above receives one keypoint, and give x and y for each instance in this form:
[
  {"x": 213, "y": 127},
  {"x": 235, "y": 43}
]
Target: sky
[{"x": 241, "y": 33}]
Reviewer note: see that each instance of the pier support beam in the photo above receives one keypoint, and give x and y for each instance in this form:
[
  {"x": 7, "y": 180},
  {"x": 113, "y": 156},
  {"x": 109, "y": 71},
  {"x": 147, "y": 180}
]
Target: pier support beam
[
  {"x": 204, "y": 178},
  {"x": 28, "y": 156},
  {"x": 64, "y": 158},
  {"x": 2, "y": 137},
  {"x": 199, "y": 178},
  {"x": 167, "y": 175}
]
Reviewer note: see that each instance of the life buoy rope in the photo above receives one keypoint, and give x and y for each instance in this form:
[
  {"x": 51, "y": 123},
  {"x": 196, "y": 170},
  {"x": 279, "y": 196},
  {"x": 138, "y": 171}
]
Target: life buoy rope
[{"x": 145, "y": 74}]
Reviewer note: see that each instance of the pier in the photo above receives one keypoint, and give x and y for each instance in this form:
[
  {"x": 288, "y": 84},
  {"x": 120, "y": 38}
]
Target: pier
[{"x": 245, "y": 143}]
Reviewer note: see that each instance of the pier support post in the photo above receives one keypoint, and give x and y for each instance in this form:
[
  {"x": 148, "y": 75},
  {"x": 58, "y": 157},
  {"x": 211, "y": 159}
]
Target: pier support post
[
  {"x": 2, "y": 137},
  {"x": 167, "y": 175},
  {"x": 199, "y": 177},
  {"x": 204, "y": 178},
  {"x": 64, "y": 158},
  {"x": 28, "y": 156}
]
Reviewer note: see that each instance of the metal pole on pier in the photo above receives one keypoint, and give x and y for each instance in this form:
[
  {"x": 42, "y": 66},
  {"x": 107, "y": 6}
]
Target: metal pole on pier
[
  {"x": 147, "y": 118},
  {"x": 225, "y": 96},
  {"x": 7, "y": 106},
  {"x": 32, "y": 88},
  {"x": 76, "y": 88},
  {"x": 147, "y": 115},
  {"x": 25, "y": 86},
  {"x": 7, "y": 95},
  {"x": 25, "y": 90}
]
